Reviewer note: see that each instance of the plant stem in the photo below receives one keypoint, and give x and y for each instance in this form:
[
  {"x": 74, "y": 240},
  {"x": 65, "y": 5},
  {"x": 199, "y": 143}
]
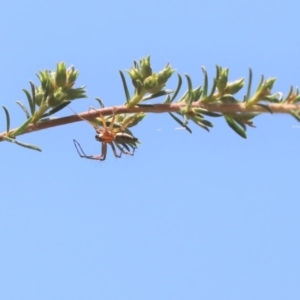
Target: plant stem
[{"x": 156, "y": 108}]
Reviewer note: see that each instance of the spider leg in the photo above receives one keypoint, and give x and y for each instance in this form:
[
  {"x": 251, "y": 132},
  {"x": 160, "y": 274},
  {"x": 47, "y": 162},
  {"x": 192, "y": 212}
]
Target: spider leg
[
  {"x": 114, "y": 149},
  {"x": 104, "y": 151},
  {"x": 111, "y": 125},
  {"x": 79, "y": 149},
  {"x": 125, "y": 146},
  {"x": 122, "y": 149},
  {"x": 82, "y": 153},
  {"x": 101, "y": 116}
]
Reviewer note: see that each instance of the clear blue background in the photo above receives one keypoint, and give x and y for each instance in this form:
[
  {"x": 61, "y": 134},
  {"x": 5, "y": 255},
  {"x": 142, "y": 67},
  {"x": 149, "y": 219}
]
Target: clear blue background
[{"x": 201, "y": 216}]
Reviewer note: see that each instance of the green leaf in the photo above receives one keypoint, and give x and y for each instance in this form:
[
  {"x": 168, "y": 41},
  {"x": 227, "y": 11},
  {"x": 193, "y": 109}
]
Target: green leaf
[
  {"x": 222, "y": 78},
  {"x": 56, "y": 109},
  {"x": 177, "y": 89},
  {"x": 132, "y": 120},
  {"x": 167, "y": 100},
  {"x": 213, "y": 88},
  {"x": 100, "y": 102},
  {"x": 181, "y": 123},
  {"x": 33, "y": 103},
  {"x": 233, "y": 125},
  {"x": 158, "y": 94},
  {"x": 274, "y": 98},
  {"x": 289, "y": 94},
  {"x": 24, "y": 109},
  {"x": 22, "y": 128},
  {"x": 127, "y": 95},
  {"x": 202, "y": 122},
  {"x": 295, "y": 114},
  {"x": 266, "y": 107},
  {"x": 248, "y": 95},
  {"x": 207, "y": 112},
  {"x": 13, "y": 140},
  {"x": 205, "y": 84},
  {"x": 228, "y": 98},
  {"x": 185, "y": 95},
  {"x": 201, "y": 125},
  {"x": 30, "y": 101},
  {"x": 261, "y": 82},
  {"x": 197, "y": 92},
  {"x": 189, "y": 99},
  {"x": 241, "y": 124},
  {"x": 136, "y": 65},
  {"x": 7, "y": 118}
]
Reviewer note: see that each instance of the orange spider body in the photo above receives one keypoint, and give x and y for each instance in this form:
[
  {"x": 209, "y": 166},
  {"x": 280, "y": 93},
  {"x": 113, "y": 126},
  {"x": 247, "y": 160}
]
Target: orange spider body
[{"x": 119, "y": 137}]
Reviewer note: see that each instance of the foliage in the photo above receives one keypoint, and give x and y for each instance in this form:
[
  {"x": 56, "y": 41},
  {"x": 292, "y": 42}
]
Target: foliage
[{"x": 56, "y": 90}]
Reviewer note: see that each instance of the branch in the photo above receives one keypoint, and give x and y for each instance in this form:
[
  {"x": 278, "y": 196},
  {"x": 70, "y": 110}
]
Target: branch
[
  {"x": 156, "y": 108},
  {"x": 56, "y": 91}
]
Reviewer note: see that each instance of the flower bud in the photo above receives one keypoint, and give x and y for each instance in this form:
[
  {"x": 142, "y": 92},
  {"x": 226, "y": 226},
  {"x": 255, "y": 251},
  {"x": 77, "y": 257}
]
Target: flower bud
[
  {"x": 72, "y": 94},
  {"x": 150, "y": 82},
  {"x": 233, "y": 87},
  {"x": 39, "y": 96},
  {"x": 135, "y": 77},
  {"x": 45, "y": 79},
  {"x": 222, "y": 80},
  {"x": 58, "y": 97},
  {"x": 164, "y": 75},
  {"x": 60, "y": 75},
  {"x": 133, "y": 119},
  {"x": 71, "y": 76},
  {"x": 146, "y": 69}
]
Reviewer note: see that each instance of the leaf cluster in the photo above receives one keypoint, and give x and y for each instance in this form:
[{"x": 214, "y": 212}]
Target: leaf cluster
[{"x": 56, "y": 90}]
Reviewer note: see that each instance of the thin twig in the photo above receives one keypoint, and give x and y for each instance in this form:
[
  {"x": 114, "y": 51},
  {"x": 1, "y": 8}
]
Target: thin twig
[{"x": 157, "y": 108}]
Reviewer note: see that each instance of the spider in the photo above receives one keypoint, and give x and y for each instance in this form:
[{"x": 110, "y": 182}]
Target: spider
[{"x": 113, "y": 134}]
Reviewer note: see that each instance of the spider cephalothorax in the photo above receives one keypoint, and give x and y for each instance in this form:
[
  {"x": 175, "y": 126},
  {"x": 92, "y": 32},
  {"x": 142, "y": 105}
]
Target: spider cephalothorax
[{"x": 115, "y": 135}]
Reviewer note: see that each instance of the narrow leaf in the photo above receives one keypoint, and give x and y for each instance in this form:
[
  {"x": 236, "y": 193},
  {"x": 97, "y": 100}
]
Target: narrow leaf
[
  {"x": 24, "y": 109},
  {"x": 189, "y": 100},
  {"x": 22, "y": 128},
  {"x": 249, "y": 85},
  {"x": 295, "y": 114},
  {"x": 56, "y": 109},
  {"x": 33, "y": 104},
  {"x": 202, "y": 122},
  {"x": 205, "y": 122},
  {"x": 160, "y": 93},
  {"x": 213, "y": 88},
  {"x": 185, "y": 95},
  {"x": 167, "y": 100},
  {"x": 127, "y": 95},
  {"x": 261, "y": 82},
  {"x": 181, "y": 123},
  {"x": 7, "y": 118},
  {"x": 30, "y": 101},
  {"x": 207, "y": 112},
  {"x": 12, "y": 140},
  {"x": 177, "y": 89},
  {"x": 233, "y": 125},
  {"x": 227, "y": 98},
  {"x": 289, "y": 94},
  {"x": 241, "y": 124},
  {"x": 205, "y": 84},
  {"x": 100, "y": 102},
  {"x": 199, "y": 123},
  {"x": 266, "y": 107}
]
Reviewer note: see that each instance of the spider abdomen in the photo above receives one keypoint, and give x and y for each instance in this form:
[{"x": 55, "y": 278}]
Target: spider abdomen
[{"x": 125, "y": 138}]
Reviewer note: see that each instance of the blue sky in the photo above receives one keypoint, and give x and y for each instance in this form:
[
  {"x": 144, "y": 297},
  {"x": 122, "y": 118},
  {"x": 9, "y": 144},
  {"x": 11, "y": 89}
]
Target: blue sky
[{"x": 201, "y": 216}]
